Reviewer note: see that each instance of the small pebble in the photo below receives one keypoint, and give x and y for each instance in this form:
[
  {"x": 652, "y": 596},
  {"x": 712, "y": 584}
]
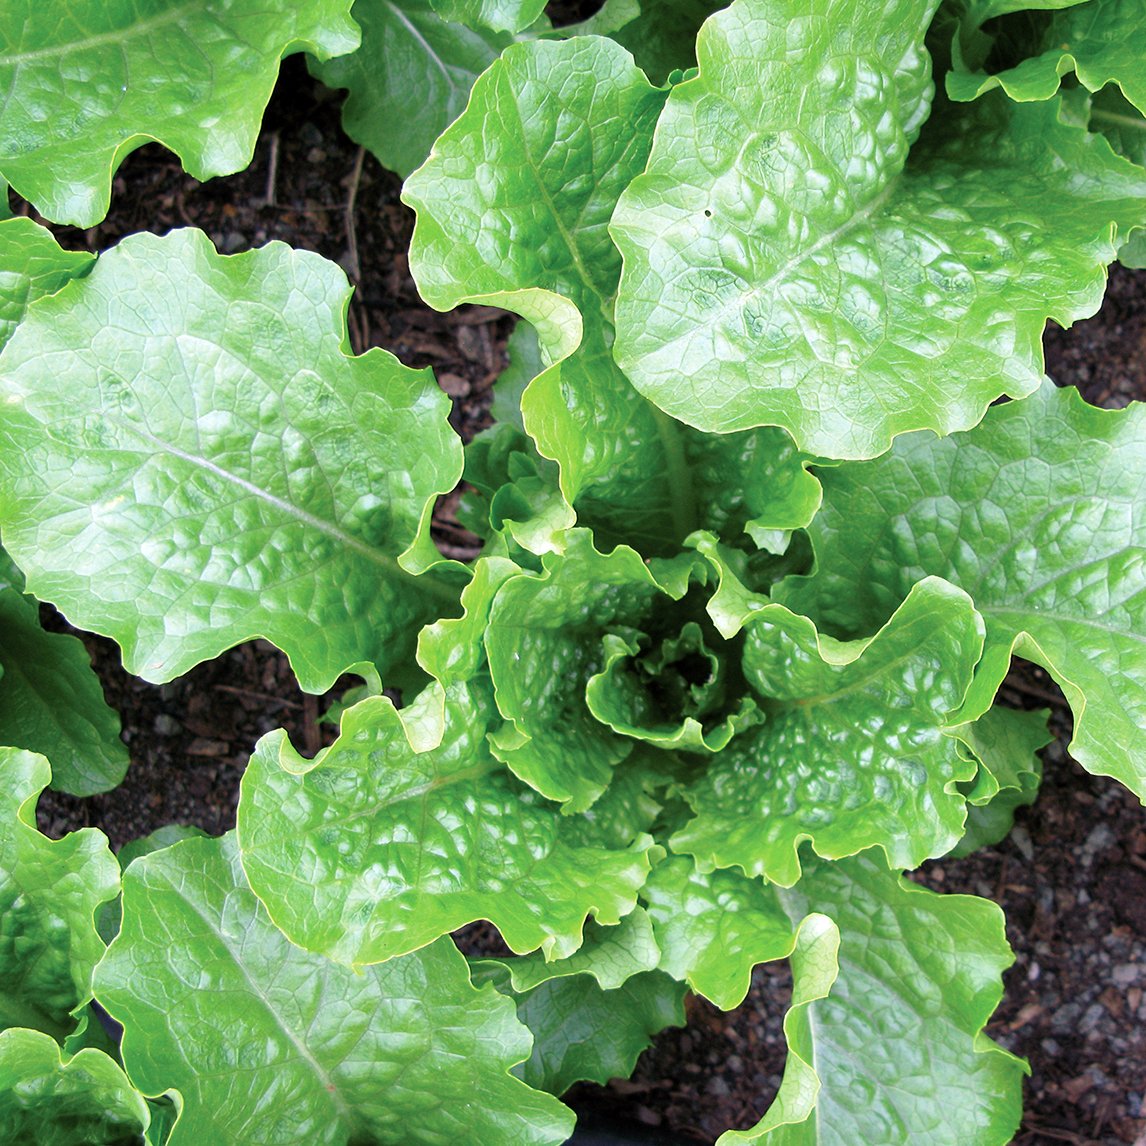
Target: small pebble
[
  {"x": 1125, "y": 974},
  {"x": 167, "y": 725}
]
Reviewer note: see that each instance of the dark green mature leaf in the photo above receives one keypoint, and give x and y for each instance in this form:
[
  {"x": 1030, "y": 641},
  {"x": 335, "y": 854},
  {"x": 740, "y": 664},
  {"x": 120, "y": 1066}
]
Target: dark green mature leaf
[
  {"x": 193, "y": 425},
  {"x": 50, "y": 891},
  {"x": 786, "y": 264},
  {"x": 663, "y": 37},
  {"x": 47, "y": 1101},
  {"x": 88, "y": 82},
  {"x": 218, "y": 1005},
  {"x": 1037, "y": 515},
  {"x": 498, "y": 15},
  {"x": 51, "y": 702},
  {"x": 410, "y": 78},
  {"x": 581, "y": 1032},
  {"x": 855, "y": 751},
  {"x": 32, "y": 264},
  {"x": 373, "y": 849},
  {"x": 1101, "y": 42},
  {"x": 886, "y": 1038},
  {"x": 513, "y": 211}
]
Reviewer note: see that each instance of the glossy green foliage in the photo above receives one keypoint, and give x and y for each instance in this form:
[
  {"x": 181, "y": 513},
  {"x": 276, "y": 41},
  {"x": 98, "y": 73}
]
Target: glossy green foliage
[
  {"x": 213, "y": 444},
  {"x": 87, "y": 82},
  {"x": 49, "y": 1100},
  {"x": 1037, "y": 514},
  {"x": 217, "y": 1005},
  {"x": 375, "y": 849},
  {"x": 50, "y": 891},
  {"x": 808, "y": 249}
]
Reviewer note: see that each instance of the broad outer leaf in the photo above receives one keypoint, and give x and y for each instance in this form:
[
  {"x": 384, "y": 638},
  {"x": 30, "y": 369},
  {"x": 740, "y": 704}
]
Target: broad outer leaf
[
  {"x": 714, "y": 928},
  {"x": 785, "y": 264},
  {"x": 410, "y": 78},
  {"x": 855, "y": 751},
  {"x": 50, "y": 891},
  {"x": 512, "y": 210},
  {"x": 32, "y": 264},
  {"x": 189, "y": 459},
  {"x": 268, "y": 1043},
  {"x": 1037, "y": 514},
  {"x": 1101, "y": 41},
  {"x": 581, "y": 1032},
  {"x": 893, "y": 1031},
  {"x": 51, "y": 702},
  {"x": 87, "y": 82},
  {"x": 84, "y": 1101},
  {"x": 372, "y": 849}
]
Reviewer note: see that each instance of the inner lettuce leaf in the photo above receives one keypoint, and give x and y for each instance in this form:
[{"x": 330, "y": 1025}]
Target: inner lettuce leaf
[
  {"x": 808, "y": 249},
  {"x": 190, "y": 458},
  {"x": 512, "y": 210},
  {"x": 86, "y": 83},
  {"x": 265, "y": 1042}
]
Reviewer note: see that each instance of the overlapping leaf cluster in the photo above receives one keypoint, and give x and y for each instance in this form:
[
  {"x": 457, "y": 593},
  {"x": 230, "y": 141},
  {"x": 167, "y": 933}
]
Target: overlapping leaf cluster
[{"x": 759, "y": 545}]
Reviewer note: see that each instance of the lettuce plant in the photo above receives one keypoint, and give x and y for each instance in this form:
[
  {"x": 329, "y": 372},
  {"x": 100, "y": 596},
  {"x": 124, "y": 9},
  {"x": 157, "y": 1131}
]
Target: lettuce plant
[{"x": 759, "y": 543}]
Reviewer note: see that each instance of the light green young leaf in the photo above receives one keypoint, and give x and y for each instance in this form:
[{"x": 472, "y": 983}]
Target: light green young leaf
[
  {"x": 87, "y": 83},
  {"x": 51, "y": 702},
  {"x": 855, "y": 750},
  {"x": 498, "y": 15},
  {"x": 885, "y": 1038},
  {"x": 217, "y": 1005},
  {"x": 714, "y": 928},
  {"x": 1100, "y": 41},
  {"x": 1037, "y": 514},
  {"x": 583, "y": 1033},
  {"x": 410, "y": 78},
  {"x": 189, "y": 458},
  {"x": 50, "y": 891},
  {"x": 32, "y": 264},
  {"x": 372, "y": 849},
  {"x": 525, "y": 363},
  {"x": 513, "y": 212},
  {"x": 47, "y": 1101},
  {"x": 786, "y": 264}
]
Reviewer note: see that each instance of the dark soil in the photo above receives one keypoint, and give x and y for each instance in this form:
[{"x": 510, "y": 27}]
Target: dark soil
[{"x": 1071, "y": 877}]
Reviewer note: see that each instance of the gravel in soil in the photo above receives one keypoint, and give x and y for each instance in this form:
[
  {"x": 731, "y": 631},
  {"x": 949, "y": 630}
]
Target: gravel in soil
[{"x": 1071, "y": 877}]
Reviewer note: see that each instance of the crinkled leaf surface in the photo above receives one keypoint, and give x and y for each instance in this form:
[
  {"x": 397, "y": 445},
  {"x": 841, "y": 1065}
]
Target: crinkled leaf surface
[
  {"x": 84, "y": 1101},
  {"x": 373, "y": 849},
  {"x": 51, "y": 702},
  {"x": 581, "y": 1032},
  {"x": 1038, "y": 515},
  {"x": 892, "y": 1027},
  {"x": 714, "y": 927},
  {"x": 1101, "y": 42},
  {"x": 268, "y": 1043},
  {"x": 87, "y": 82},
  {"x": 32, "y": 264},
  {"x": 410, "y": 78},
  {"x": 50, "y": 891},
  {"x": 512, "y": 210},
  {"x": 189, "y": 458},
  {"x": 854, "y": 751},
  {"x": 787, "y": 264}
]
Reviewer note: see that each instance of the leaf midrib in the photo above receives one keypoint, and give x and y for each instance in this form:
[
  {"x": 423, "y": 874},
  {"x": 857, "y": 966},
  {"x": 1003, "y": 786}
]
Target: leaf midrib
[{"x": 114, "y": 37}]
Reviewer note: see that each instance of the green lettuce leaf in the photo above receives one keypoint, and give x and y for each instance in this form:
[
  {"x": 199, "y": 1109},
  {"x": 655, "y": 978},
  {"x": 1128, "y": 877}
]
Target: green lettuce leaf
[
  {"x": 410, "y": 78},
  {"x": 583, "y": 1033},
  {"x": 83, "y": 1101},
  {"x": 267, "y": 1043},
  {"x": 51, "y": 702},
  {"x": 855, "y": 750},
  {"x": 497, "y": 15},
  {"x": 50, "y": 891},
  {"x": 512, "y": 211},
  {"x": 1037, "y": 515},
  {"x": 893, "y": 985},
  {"x": 373, "y": 849},
  {"x": 32, "y": 264},
  {"x": 189, "y": 458},
  {"x": 786, "y": 263},
  {"x": 1100, "y": 41},
  {"x": 662, "y": 38},
  {"x": 87, "y": 83}
]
